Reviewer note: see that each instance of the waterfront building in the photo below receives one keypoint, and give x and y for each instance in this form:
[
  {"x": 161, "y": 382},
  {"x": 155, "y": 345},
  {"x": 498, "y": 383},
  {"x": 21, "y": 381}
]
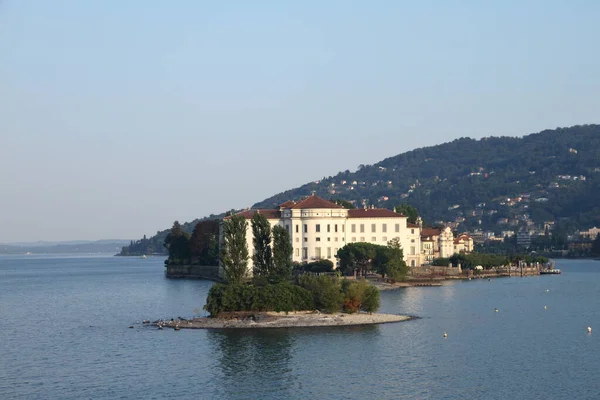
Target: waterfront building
[{"x": 318, "y": 228}]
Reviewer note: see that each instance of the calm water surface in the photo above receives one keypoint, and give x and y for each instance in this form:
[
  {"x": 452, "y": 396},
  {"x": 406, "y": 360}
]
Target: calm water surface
[{"x": 64, "y": 335}]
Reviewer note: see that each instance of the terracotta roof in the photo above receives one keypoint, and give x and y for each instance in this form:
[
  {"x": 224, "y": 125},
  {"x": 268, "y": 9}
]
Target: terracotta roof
[
  {"x": 315, "y": 202},
  {"x": 287, "y": 204},
  {"x": 373, "y": 213},
  {"x": 268, "y": 213},
  {"x": 426, "y": 232},
  {"x": 409, "y": 225}
]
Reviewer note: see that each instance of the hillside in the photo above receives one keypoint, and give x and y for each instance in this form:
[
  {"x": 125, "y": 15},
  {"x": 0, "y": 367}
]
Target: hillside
[{"x": 495, "y": 183}]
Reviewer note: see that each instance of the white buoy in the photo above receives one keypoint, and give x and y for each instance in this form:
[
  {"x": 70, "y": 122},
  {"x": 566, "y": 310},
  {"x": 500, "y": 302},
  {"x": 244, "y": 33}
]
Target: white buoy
[
  {"x": 589, "y": 329},
  {"x": 545, "y": 307},
  {"x": 495, "y": 309},
  {"x": 445, "y": 335},
  {"x": 547, "y": 290}
]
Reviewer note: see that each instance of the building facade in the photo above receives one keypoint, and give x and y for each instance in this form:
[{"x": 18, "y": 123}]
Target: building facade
[{"x": 319, "y": 228}]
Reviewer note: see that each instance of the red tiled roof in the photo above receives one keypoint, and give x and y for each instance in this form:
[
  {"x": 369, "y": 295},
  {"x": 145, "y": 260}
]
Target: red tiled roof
[
  {"x": 409, "y": 225},
  {"x": 315, "y": 202},
  {"x": 287, "y": 204},
  {"x": 268, "y": 213},
  {"x": 373, "y": 213},
  {"x": 426, "y": 232}
]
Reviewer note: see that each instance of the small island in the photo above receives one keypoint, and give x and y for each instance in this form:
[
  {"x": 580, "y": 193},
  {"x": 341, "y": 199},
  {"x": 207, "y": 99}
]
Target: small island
[{"x": 270, "y": 295}]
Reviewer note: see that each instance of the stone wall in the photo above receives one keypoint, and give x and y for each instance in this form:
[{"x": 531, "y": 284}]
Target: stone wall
[
  {"x": 435, "y": 270},
  {"x": 208, "y": 272}
]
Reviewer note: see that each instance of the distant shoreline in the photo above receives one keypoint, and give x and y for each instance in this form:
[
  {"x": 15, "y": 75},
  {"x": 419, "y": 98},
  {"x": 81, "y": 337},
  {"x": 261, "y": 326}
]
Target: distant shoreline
[{"x": 300, "y": 319}]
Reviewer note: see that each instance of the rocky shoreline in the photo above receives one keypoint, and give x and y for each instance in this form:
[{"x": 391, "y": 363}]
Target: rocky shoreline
[{"x": 246, "y": 320}]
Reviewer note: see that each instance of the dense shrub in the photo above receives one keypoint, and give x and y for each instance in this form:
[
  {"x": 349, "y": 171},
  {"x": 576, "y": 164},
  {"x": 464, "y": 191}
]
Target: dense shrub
[
  {"x": 371, "y": 300},
  {"x": 360, "y": 296},
  {"x": 326, "y": 291},
  {"x": 278, "y": 297},
  {"x": 319, "y": 266}
]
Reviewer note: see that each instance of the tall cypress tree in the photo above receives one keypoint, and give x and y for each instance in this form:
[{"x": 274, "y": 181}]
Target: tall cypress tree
[
  {"x": 263, "y": 257},
  {"x": 234, "y": 250},
  {"x": 282, "y": 255}
]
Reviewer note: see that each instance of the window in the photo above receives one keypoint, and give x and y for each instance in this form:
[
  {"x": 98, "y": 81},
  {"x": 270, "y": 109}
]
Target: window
[
  {"x": 412, "y": 263},
  {"x": 335, "y": 239},
  {"x": 318, "y": 239},
  {"x": 354, "y": 239},
  {"x": 343, "y": 228},
  {"x": 318, "y": 227},
  {"x": 329, "y": 252},
  {"x": 297, "y": 239},
  {"x": 397, "y": 227},
  {"x": 317, "y": 252},
  {"x": 412, "y": 240},
  {"x": 362, "y": 228},
  {"x": 329, "y": 239},
  {"x": 305, "y": 252},
  {"x": 384, "y": 238},
  {"x": 287, "y": 227},
  {"x": 297, "y": 228},
  {"x": 373, "y": 228},
  {"x": 306, "y": 239},
  {"x": 373, "y": 239},
  {"x": 353, "y": 228},
  {"x": 328, "y": 228},
  {"x": 305, "y": 228},
  {"x": 297, "y": 252},
  {"x": 412, "y": 231},
  {"x": 384, "y": 228},
  {"x": 335, "y": 228},
  {"x": 412, "y": 250},
  {"x": 362, "y": 239}
]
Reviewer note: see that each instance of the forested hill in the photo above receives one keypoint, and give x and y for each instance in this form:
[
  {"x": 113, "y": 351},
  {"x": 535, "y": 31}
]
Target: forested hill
[
  {"x": 553, "y": 175},
  {"x": 495, "y": 183}
]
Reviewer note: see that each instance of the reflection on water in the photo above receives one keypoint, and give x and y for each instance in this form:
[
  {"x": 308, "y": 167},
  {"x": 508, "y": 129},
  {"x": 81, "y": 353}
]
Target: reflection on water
[{"x": 246, "y": 355}]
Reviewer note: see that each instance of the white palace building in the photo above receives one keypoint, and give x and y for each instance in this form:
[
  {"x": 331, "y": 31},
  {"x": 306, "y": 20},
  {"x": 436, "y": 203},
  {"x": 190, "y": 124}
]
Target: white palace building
[{"x": 319, "y": 228}]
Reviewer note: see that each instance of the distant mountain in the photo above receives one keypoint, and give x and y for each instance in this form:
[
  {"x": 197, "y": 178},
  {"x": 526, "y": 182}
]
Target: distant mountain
[
  {"x": 495, "y": 183},
  {"x": 76, "y": 246}
]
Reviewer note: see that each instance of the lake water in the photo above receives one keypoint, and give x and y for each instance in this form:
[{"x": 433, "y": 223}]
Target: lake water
[{"x": 64, "y": 335}]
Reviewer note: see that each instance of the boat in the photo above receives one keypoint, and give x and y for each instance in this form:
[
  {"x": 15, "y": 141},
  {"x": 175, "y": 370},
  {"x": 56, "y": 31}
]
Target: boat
[
  {"x": 143, "y": 256},
  {"x": 552, "y": 271}
]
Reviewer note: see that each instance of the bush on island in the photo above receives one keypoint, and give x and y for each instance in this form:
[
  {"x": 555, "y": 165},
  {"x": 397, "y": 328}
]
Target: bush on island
[
  {"x": 326, "y": 291},
  {"x": 360, "y": 296},
  {"x": 244, "y": 297}
]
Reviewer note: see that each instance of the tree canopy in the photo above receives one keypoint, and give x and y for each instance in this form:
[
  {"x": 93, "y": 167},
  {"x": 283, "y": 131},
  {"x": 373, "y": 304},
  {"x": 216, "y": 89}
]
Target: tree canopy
[
  {"x": 263, "y": 255},
  {"x": 282, "y": 255},
  {"x": 234, "y": 250}
]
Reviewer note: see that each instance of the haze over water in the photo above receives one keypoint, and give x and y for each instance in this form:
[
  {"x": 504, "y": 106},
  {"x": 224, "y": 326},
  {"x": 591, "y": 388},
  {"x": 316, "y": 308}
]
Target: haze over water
[{"x": 65, "y": 336}]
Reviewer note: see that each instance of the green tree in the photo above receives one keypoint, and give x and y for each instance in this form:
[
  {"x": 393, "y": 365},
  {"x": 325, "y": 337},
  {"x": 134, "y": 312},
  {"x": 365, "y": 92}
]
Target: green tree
[
  {"x": 371, "y": 300},
  {"x": 204, "y": 243},
  {"x": 282, "y": 255},
  {"x": 326, "y": 291},
  {"x": 356, "y": 257},
  {"x": 389, "y": 260},
  {"x": 261, "y": 239},
  {"x": 408, "y": 210},
  {"x": 177, "y": 244},
  {"x": 234, "y": 250}
]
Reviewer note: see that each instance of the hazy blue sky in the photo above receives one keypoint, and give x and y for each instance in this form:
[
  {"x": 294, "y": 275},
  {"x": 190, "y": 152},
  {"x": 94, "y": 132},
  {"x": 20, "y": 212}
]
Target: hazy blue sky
[{"x": 118, "y": 117}]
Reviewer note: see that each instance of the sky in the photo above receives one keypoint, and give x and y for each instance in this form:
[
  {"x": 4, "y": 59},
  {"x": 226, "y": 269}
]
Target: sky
[{"x": 119, "y": 117}]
